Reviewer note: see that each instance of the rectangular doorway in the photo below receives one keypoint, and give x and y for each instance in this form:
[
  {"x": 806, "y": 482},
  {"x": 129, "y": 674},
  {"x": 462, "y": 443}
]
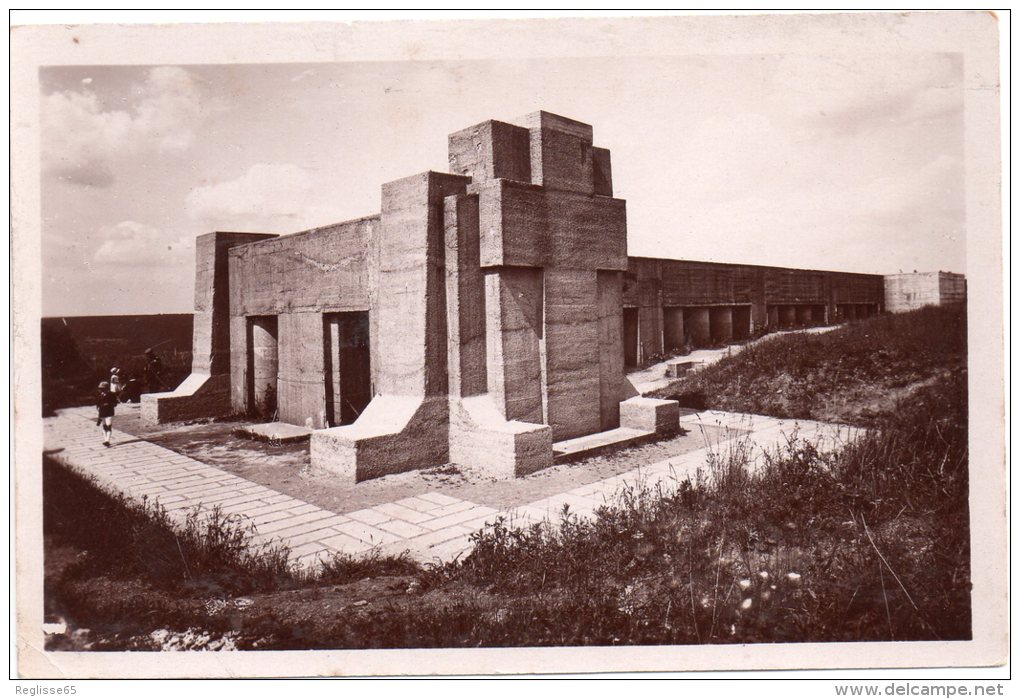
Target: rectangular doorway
[
  {"x": 741, "y": 322},
  {"x": 263, "y": 367},
  {"x": 630, "y": 337},
  {"x": 673, "y": 329},
  {"x": 347, "y": 365}
]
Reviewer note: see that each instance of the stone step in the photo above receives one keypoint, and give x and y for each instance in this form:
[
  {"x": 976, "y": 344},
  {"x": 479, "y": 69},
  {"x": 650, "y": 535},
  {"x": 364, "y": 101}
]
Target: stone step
[
  {"x": 280, "y": 432},
  {"x": 592, "y": 444}
]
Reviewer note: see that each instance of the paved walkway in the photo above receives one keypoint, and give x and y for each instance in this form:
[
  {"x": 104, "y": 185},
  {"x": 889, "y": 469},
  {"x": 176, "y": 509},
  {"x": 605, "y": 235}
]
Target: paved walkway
[{"x": 429, "y": 526}]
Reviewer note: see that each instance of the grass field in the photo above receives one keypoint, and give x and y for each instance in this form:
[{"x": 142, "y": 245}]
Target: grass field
[
  {"x": 78, "y": 352},
  {"x": 871, "y": 543}
]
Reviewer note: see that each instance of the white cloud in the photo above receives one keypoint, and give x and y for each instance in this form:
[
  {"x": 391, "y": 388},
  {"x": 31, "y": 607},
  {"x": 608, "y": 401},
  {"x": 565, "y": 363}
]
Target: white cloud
[
  {"x": 82, "y": 138},
  {"x": 133, "y": 244},
  {"x": 272, "y": 197}
]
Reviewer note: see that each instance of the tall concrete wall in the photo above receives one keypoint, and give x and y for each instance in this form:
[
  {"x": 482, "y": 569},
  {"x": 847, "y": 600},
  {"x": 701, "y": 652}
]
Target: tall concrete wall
[
  {"x": 905, "y": 292},
  {"x": 297, "y": 279},
  {"x": 754, "y": 297},
  {"x": 952, "y": 288}
]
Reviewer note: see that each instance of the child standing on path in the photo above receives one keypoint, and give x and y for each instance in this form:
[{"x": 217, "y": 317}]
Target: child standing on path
[
  {"x": 106, "y": 404},
  {"x": 116, "y": 382}
]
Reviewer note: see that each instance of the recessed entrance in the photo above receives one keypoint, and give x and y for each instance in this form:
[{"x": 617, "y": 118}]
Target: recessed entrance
[
  {"x": 263, "y": 367},
  {"x": 630, "y": 336},
  {"x": 347, "y": 366}
]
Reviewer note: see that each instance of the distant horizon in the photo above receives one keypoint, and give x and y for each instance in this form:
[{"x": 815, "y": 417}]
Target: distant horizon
[{"x": 115, "y": 315}]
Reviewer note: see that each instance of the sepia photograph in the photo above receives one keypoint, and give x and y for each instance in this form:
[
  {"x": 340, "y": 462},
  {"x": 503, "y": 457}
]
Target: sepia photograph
[{"x": 576, "y": 344}]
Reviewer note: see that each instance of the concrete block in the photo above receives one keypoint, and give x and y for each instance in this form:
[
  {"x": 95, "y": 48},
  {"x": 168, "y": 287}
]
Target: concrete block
[
  {"x": 527, "y": 226},
  {"x": 675, "y": 368},
  {"x": 562, "y": 161},
  {"x": 490, "y": 150},
  {"x": 561, "y": 152},
  {"x": 651, "y": 414},
  {"x": 393, "y": 435},
  {"x": 199, "y": 396},
  {"x": 480, "y": 438},
  {"x": 555, "y": 122}
]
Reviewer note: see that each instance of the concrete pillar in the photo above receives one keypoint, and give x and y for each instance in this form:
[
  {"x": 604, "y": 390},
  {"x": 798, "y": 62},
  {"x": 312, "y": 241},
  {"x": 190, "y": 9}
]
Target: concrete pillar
[
  {"x": 673, "y": 328},
  {"x": 741, "y": 322},
  {"x": 721, "y": 324},
  {"x": 406, "y": 425},
  {"x": 264, "y": 362},
  {"x": 479, "y": 433},
  {"x": 804, "y": 315},
  {"x": 787, "y": 316},
  {"x": 514, "y": 337},
  {"x": 465, "y": 298},
  {"x": 572, "y": 361},
  {"x": 611, "y": 371},
  {"x": 698, "y": 326},
  {"x": 773, "y": 321}
]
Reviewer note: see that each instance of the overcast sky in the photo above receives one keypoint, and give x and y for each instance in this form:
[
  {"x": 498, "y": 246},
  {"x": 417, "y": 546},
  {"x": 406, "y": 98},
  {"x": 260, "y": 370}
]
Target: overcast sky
[{"x": 797, "y": 161}]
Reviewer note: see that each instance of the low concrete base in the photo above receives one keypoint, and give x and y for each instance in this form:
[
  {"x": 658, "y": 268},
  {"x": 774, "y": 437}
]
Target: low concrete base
[
  {"x": 199, "y": 396},
  {"x": 481, "y": 439},
  {"x": 598, "y": 443},
  {"x": 651, "y": 415},
  {"x": 675, "y": 368},
  {"x": 280, "y": 432},
  {"x": 394, "y": 434}
]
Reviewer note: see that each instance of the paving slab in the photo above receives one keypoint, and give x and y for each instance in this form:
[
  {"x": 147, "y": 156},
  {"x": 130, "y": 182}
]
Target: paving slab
[
  {"x": 277, "y": 432},
  {"x": 598, "y": 443}
]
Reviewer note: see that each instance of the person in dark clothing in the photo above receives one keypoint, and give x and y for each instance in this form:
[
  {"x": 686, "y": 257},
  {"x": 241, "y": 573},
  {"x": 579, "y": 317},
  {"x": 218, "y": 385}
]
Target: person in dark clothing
[
  {"x": 153, "y": 371},
  {"x": 107, "y": 404}
]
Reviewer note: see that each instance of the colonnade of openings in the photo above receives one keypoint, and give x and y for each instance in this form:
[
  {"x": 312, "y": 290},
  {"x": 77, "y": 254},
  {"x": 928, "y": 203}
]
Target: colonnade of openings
[
  {"x": 347, "y": 384},
  {"x": 693, "y": 327},
  {"x": 686, "y": 327}
]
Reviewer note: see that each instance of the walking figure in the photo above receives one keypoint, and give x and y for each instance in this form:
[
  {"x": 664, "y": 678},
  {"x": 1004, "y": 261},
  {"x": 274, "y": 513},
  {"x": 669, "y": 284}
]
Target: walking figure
[
  {"x": 106, "y": 403},
  {"x": 116, "y": 382},
  {"x": 153, "y": 369}
]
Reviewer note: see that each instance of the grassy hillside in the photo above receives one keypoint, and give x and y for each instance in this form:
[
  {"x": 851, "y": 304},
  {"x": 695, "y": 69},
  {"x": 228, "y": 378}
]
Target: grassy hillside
[{"x": 856, "y": 373}]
